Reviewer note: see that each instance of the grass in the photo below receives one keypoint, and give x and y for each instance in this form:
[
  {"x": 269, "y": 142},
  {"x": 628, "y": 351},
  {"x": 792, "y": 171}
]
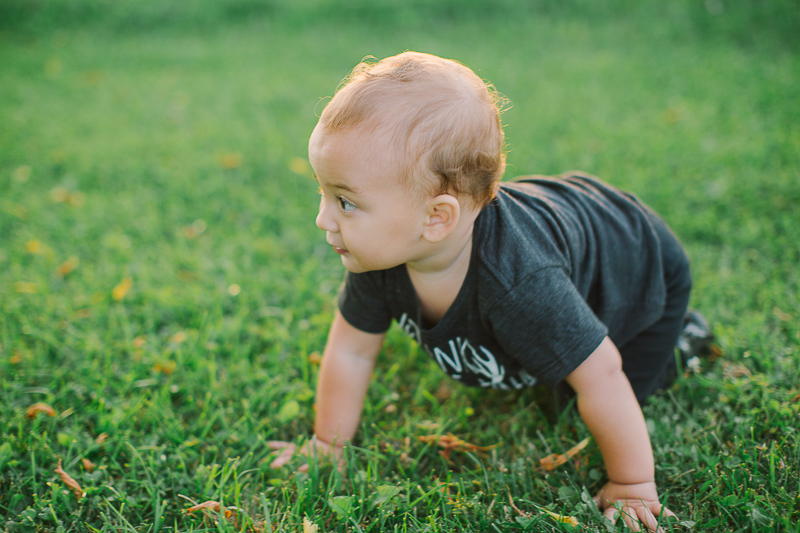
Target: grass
[{"x": 165, "y": 145}]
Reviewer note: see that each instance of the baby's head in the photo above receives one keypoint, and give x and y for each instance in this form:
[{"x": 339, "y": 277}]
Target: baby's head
[{"x": 442, "y": 123}]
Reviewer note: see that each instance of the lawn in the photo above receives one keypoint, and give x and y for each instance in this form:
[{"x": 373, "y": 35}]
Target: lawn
[{"x": 165, "y": 294}]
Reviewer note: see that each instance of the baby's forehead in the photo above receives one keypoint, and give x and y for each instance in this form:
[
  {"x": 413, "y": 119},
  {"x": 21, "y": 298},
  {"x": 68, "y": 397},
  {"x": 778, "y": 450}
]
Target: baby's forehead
[
  {"x": 365, "y": 138},
  {"x": 355, "y": 147}
]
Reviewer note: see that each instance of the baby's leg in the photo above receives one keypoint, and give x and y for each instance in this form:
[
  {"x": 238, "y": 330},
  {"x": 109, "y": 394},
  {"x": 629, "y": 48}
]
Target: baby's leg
[{"x": 649, "y": 358}]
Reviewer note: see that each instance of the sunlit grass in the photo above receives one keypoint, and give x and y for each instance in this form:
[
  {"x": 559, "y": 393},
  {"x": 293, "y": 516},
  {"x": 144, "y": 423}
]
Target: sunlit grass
[{"x": 164, "y": 290}]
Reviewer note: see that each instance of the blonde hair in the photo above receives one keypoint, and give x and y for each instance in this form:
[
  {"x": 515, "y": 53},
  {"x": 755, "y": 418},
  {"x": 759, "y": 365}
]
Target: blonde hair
[{"x": 442, "y": 118}]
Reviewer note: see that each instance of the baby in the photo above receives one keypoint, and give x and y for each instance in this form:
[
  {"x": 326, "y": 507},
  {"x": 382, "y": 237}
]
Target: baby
[{"x": 547, "y": 281}]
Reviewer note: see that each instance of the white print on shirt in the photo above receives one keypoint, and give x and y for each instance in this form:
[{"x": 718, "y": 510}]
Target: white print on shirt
[{"x": 460, "y": 356}]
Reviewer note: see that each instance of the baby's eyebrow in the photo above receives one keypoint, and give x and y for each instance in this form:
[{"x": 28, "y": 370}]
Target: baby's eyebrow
[
  {"x": 342, "y": 186},
  {"x": 345, "y": 187}
]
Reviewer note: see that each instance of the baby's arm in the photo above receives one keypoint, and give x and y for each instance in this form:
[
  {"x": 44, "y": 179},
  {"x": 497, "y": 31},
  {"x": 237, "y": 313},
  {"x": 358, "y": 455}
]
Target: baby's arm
[
  {"x": 609, "y": 408},
  {"x": 343, "y": 381}
]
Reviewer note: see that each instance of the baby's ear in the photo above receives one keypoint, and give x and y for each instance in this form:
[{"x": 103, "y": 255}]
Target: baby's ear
[{"x": 441, "y": 217}]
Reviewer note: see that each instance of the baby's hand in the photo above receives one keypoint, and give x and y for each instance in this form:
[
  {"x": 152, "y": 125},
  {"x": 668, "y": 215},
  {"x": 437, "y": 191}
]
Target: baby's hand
[
  {"x": 312, "y": 448},
  {"x": 639, "y": 504}
]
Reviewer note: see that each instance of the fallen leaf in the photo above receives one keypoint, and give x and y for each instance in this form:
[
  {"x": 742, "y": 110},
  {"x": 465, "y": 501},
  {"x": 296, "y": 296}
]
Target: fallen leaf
[
  {"x": 450, "y": 442},
  {"x": 195, "y": 228},
  {"x": 517, "y": 509},
  {"x": 37, "y": 408},
  {"x": 735, "y": 370},
  {"x": 69, "y": 482},
  {"x": 309, "y": 526},
  {"x": 101, "y": 438},
  {"x": 315, "y": 358},
  {"x": 16, "y": 357},
  {"x": 83, "y": 313},
  {"x": 230, "y": 160},
  {"x": 781, "y": 315},
  {"x": 555, "y": 460},
  {"x": 443, "y": 392},
  {"x": 209, "y": 506},
  {"x": 33, "y": 246},
  {"x": 68, "y": 266},
  {"x": 25, "y": 287},
  {"x": 298, "y": 165},
  {"x": 716, "y": 353},
  {"x": 215, "y": 507},
  {"x": 61, "y": 195},
  {"x": 122, "y": 289},
  {"x": 796, "y": 398},
  {"x": 165, "y": 367},
  {"x": 88, "y": 465},
  {"x": 234, "y": 289},
  {"x": 571, "y": 520}
]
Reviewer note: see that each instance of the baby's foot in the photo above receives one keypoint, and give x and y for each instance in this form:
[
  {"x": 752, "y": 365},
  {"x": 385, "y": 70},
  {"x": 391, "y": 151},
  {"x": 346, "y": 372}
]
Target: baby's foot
[{"x": 695, "y": 340}]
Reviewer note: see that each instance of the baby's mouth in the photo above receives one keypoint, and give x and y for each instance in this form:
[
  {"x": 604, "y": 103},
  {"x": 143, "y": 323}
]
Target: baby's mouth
[{"x": 340, "y": 251}]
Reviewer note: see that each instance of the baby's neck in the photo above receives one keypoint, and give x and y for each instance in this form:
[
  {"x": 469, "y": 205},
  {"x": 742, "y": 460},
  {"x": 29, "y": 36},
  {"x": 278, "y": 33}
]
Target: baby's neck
[{"x": 438, "y": 279}]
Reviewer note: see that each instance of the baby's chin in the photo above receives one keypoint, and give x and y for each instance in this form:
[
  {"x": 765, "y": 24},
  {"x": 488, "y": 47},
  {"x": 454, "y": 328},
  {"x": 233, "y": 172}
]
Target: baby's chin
[
  {"x": 356, "y": 267},
  {"x": 353, "y": 266}
]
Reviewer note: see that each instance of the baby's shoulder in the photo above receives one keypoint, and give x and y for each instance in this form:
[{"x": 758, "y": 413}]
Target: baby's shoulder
[{"x": 513, "y": 242}]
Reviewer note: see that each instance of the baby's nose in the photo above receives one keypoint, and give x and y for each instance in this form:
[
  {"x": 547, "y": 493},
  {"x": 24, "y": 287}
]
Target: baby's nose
[{"x": 324, "y": 221}]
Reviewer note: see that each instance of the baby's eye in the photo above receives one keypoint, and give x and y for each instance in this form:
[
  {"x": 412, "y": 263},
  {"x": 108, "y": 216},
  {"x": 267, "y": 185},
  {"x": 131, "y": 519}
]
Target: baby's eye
[{"x": 346, "y": 206}]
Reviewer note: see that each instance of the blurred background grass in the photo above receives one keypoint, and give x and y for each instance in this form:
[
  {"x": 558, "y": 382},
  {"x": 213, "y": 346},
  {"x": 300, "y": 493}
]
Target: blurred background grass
[
  {"x": 742, "y": 21},
  {"x": 164, "y": 143}
]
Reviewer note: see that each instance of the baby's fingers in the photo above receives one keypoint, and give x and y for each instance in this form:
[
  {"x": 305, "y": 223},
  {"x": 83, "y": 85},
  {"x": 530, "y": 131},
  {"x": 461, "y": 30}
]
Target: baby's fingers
[
  {"x": 648, "y": 519},
  {"x": 635, "y": 518},
  {"x": 612, "y": 513},
  {"x": 666, "y": 512},
  {"x": 663, "y": 513},
  {"x": 285, "y": 456}
]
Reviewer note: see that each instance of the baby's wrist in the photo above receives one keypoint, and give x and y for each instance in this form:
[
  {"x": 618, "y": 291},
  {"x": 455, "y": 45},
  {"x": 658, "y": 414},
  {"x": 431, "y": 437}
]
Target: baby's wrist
[
  {"x": 631, "y": 483},
  {"x": 333, "y": 444},
  {"x": 630, "y": 475}
]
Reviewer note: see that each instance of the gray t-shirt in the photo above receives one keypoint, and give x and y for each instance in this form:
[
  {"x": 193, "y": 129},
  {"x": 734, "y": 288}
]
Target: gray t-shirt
[{"x": 556, "y": 265}]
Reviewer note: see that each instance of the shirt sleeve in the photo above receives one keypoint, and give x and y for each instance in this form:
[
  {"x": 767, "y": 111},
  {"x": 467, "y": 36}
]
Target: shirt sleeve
[
  {"x": 362, "y": 302},
  {"x": 546, "y": 325}
]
